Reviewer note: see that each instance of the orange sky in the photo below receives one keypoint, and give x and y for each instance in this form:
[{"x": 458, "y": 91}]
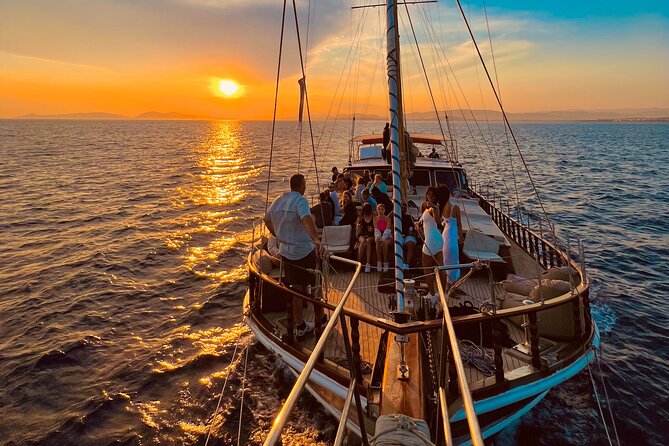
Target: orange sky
[{"x": 164, "y": 55}]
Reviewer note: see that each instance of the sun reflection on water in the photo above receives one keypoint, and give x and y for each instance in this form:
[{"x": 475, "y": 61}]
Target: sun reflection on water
[{"x": 220, "y": 183}]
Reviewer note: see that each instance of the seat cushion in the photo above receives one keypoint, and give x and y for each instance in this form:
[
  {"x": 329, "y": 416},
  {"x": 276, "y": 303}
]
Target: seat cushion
[
  {"x": 262, "y": 261},
  {"x": 337, "y": 235},
  {"x": 548, "y": 289},
  {"x": 519, "y": 284},
  {"x": 564, "y": 273},
  {"x": 482, "y": 255}
]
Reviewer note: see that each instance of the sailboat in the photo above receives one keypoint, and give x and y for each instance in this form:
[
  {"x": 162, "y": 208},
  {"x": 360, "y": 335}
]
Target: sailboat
[{"x": 394, "y": 363}]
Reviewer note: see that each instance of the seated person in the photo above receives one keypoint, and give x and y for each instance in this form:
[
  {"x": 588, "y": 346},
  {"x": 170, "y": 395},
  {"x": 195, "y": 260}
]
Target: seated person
[
  {"x": 365, "y": 236},
  {"x": 433, "y": 154},
  {"x": 382, "y": 198},
  {"x": 349, "y": 212},
  {"x": 366, "y": 177},
  {"x": 367, "y": 199},
  {"x": 335, "y": 200},
  {"x": 348, "y": 180},
  {"x": 383, "y": 236},
  {"x": 322, "y": 212},
  {"x": 408, "y": 237},
  {"x": 359, "y": 187}
]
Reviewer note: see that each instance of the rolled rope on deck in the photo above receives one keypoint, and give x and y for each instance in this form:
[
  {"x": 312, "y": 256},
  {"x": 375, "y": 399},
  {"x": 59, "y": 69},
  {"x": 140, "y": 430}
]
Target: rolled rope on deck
[{"x": 401, "y": 430}]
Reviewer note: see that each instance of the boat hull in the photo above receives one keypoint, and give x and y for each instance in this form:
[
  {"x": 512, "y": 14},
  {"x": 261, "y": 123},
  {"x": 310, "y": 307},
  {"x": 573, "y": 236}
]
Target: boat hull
[{"x": 495, "y": 413}]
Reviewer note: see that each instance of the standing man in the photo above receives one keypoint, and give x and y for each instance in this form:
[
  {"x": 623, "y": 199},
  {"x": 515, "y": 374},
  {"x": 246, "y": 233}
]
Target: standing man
[
  {"x": 335, "y": 173},
  {"x": 290, "y": 220}
]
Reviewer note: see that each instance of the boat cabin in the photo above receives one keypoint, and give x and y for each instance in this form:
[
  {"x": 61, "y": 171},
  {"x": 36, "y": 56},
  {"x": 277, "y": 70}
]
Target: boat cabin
[{"x": 427, "y": 171}]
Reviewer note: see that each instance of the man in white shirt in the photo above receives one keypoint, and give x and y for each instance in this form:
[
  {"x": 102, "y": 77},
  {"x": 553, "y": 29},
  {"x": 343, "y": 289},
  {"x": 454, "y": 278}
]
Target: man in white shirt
[{"x": 289, "y": 219}]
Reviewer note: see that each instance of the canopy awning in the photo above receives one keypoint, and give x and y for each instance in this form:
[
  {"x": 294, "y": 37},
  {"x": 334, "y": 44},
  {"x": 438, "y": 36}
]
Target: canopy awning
[{"x": 422, "y": 138}]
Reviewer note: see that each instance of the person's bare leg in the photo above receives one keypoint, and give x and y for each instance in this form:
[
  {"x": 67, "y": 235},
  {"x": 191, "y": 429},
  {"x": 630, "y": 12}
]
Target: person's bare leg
[
  {"x": 410, "y": 248},
  {"x": 361, "y": 248},
  {"x": 384, "y": 248},
  {"x": 388, "y": 247}
]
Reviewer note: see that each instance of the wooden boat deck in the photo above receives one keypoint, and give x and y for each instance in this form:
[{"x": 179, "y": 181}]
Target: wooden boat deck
[{"x": 366, "y": 298}]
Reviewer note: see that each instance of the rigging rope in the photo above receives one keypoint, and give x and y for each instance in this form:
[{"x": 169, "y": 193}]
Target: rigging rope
[
  {"x": 506, "y": 133},
  {"x": 427, "y": 81},
  {"x": 306, "y": 92},
  {"x": 241, "y": 406},
  {"x": 276, "y": 100},
  {"x": 606, "y": 394},
  {"x": 506, "y": 120},
  {"x": 220, "y": 397},
  {"x": 599, "y": 405}
]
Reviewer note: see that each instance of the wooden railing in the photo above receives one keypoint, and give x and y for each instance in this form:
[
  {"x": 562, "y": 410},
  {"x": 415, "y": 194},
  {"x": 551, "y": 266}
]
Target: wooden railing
[{"x": 546, "y": 253}]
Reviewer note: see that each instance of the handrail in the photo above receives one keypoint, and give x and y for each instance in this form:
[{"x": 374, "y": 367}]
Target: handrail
[
  {"x": 468, "y": 401},
  {"x": 282, "y": 417},
  {"x": 418, "y": 326},
  {"x": 341, "y": 429}
]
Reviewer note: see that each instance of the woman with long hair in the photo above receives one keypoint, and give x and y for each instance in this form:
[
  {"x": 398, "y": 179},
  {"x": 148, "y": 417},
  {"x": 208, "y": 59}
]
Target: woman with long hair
[
  {"x": 365, "y": 233},
  {"x": 433, "y": 242}
]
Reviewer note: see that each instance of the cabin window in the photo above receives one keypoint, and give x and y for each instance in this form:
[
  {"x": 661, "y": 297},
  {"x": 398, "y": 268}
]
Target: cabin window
[
  {"x": 454, "y": 179},
  {"x": 420, "y": 178}
]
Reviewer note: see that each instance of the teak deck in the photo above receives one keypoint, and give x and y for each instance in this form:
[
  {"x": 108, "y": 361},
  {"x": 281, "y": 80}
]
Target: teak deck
[{"x": 366, "y": 298}]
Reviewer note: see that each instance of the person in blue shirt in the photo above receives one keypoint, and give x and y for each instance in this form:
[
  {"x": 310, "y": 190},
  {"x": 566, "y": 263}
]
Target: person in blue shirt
[
  {"x": 289, "y": 219},
  {"x": 366, "y": 198}
]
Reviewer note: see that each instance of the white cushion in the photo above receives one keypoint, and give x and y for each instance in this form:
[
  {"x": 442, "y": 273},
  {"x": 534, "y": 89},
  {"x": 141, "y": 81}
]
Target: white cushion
[
  {"x": 337, "y": 238},
  {"x": 482, "y": 255}
]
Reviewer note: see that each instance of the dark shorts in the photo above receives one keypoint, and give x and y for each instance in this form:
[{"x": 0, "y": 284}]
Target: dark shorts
[{"x": 294, "y": 271}]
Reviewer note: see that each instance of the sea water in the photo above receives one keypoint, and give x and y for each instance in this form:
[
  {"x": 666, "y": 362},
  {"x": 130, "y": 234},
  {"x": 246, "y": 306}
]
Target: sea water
[{"x": 121, "y": 274}]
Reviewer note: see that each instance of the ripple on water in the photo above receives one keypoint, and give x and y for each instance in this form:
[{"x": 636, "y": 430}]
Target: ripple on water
[{"x": 122, "y": 281}]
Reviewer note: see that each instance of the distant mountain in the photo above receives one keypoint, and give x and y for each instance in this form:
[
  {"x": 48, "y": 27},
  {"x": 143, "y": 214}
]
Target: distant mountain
[
  {"x": 152, "y": 115},
  {"x": 93, "y": 115},
  {"x": 631, "y": 114},
  {"x": 614, "y": 115},
  {"x": 170, "y": 115}
]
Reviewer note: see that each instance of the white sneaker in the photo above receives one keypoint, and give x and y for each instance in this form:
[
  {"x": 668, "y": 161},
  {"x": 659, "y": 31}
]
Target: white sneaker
[
  {"x": 379, "y": 268},
  {"x": 385, "y": 267},
  {"x": 302, "y": 331},
  {"x": 368, "y": 268}
]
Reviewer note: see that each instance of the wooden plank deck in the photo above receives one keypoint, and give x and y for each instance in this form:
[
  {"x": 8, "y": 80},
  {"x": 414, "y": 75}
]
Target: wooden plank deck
[{"x": 366, "y": 298}]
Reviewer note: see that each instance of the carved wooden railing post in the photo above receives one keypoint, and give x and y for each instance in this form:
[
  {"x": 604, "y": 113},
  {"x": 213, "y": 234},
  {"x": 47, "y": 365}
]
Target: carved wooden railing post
[
  {"x": 534, "y": 340},
  {"x": 497, "y": 335},
  {"x": 586, "y": 308},
  {"x": 355, "y": 348},
  {"x": 576, "y": 314},
  {"x": 525, "y": 238}
]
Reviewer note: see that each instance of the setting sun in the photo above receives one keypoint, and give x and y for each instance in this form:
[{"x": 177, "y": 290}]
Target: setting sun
[{"x": 227, "y": 87}]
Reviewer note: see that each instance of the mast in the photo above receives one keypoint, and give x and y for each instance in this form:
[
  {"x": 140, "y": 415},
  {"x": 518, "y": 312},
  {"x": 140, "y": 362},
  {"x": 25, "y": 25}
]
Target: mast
[{"x": 396, "y": 140}]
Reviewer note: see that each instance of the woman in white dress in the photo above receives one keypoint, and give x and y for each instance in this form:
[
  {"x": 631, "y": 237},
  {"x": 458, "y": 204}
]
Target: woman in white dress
[
  {"x": 452, "y": 234},
  {"x": 433, "y": 241}
]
